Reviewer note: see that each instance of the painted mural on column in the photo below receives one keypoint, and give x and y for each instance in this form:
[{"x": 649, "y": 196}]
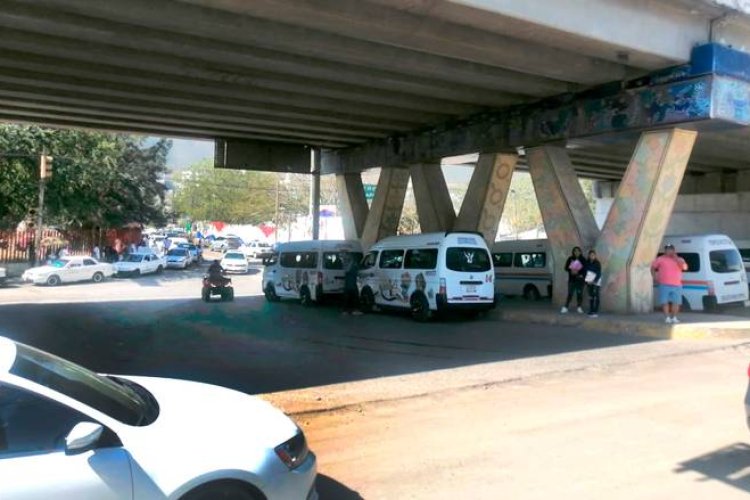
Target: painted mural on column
[{"x": 497, "y": 193}]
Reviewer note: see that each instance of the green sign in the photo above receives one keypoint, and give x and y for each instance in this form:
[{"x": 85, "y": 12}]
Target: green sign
[{"x": 369, "y": 191}]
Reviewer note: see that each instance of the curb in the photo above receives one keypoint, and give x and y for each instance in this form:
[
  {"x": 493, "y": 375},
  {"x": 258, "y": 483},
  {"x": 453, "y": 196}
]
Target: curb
[{"x": 729, "y": 329}]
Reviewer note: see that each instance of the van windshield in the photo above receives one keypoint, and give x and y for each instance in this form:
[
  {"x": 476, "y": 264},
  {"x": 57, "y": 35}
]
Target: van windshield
[
  {"x": 467, "y": 259},
  {"x": 725, "y": 261}
]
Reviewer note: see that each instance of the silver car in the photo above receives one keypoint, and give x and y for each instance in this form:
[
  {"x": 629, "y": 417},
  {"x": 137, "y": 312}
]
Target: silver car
[{"x": 66, "y": 432}]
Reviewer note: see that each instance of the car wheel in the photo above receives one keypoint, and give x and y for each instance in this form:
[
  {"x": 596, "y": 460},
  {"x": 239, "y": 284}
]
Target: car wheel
[
  {"x": 137, "y": 273},
  {"x": 159, "y": 269},
  {"x": 53, "y": 280},
  {"x": 270, "y": 293},
  {"x": 304, "y": 296},
  {"x": 366, "y": 300},
  {"x": 420, "y": 308},
  {"x": 223, "y": 490},
  {"x": 97, "y": 277},
  {"x": 319, "y": 296},
  {"x": 530, "y": 292}
]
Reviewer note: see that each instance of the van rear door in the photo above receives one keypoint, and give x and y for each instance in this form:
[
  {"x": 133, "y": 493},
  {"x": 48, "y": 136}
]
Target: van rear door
[
  {"x": 468, "y": 274},
  {"x": 729, "y": 278}
]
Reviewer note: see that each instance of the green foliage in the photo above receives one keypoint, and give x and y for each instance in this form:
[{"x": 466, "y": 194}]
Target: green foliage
[
  {"x": 237, "y": 196},
  {"x": 99, "y": 179}
]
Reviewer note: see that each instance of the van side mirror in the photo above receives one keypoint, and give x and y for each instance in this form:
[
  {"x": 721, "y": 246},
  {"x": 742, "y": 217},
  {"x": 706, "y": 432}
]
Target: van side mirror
[{"x": 83, "y": 437}]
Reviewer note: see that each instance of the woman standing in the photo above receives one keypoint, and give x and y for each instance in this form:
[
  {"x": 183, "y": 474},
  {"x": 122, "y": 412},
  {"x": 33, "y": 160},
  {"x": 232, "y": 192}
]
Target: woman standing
[
  {"x": 574, "y": 266},
  {"x": 593, "y": 279}
]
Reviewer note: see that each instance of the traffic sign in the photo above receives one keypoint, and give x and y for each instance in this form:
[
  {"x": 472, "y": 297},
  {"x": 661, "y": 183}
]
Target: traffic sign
[{"x": 369, "y": 191}]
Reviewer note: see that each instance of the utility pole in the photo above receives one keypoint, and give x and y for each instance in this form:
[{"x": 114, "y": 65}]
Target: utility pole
[{"x": 45, "y": 172}]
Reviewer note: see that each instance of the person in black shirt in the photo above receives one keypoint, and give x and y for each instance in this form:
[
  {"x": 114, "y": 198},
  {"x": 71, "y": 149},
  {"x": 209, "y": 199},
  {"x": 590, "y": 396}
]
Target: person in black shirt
[
  {"x": 574, "y": 266},
  {"x": 593, "y": 278}
]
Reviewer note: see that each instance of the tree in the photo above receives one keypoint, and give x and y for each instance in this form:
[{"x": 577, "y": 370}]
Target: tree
[{"x": 99, "y": 179}]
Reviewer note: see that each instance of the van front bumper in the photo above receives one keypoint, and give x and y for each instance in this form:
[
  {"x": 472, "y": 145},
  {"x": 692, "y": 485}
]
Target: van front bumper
[{"x": 481, "y": 304}]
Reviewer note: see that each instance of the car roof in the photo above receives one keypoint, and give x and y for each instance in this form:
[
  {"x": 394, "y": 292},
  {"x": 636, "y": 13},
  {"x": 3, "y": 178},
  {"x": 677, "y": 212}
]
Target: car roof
[{"x": 7, "y": 354}]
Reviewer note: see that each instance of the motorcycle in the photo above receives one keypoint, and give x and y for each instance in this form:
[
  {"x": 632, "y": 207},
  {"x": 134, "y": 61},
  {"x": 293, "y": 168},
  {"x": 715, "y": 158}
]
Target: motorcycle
[{"x": 217, "y": 285}]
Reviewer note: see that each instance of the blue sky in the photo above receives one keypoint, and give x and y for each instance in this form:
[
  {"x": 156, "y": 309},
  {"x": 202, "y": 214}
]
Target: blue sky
[{"x": 185, "y": 152}]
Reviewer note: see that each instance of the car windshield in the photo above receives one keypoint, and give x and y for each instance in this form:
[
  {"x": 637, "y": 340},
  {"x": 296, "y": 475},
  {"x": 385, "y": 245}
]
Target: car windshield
[
  {"x": 179, "y": 252},
  {"x": 60, "y": 263},
  {"x": 106, "y": 395},
  {"x": 234, "y": 256},
  {"x": 134, "y": 258},
  {"x": 467, "y": 259}
]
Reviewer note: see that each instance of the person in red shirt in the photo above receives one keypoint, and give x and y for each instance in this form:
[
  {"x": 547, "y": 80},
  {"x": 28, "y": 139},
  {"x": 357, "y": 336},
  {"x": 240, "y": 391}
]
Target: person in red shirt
[{"x": 667, "y": 271}]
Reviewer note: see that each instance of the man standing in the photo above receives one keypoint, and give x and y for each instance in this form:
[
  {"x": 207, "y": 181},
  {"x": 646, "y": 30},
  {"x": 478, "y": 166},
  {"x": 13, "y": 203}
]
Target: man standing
[
  {"x": 351, "y": 292},
  {"x": 667, "y": 271}
]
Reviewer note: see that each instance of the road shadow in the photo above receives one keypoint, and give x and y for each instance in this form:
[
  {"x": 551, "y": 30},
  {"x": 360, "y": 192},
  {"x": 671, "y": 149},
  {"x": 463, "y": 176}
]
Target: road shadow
[
  {"x": 730, "y": 465},
  {"x": 330, "y": 489}
]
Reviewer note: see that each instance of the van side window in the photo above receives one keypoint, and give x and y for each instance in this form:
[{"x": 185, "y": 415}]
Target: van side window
[
  {"x": 421, "y": 259},
  {"x": 332, "y": 260},
  {"x": 307, "y": 260},
  {"x": 369, "y": 260},
  {"x": 533, "y": 260},
  {"x": 504, "y": 259},
  {"x": 391, "y": 259}
]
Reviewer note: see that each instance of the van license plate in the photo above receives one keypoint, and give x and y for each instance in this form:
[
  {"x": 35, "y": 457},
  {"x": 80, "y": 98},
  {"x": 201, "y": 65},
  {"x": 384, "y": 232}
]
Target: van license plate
[{"x": 471, "y": 289}]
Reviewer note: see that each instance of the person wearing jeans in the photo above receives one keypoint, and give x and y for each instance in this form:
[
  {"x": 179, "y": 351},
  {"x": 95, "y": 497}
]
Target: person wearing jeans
[
  {"x": 574, "y": 266},
  {"x": 593, "y": 278}
]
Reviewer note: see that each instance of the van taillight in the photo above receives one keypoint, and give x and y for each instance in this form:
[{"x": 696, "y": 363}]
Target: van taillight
[{"x": 443, "y": 289}]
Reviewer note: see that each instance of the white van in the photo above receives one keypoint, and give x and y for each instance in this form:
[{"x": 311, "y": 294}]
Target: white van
[
  {"x": 428, "y": 272},
  {"x": 744, "y": 247},
  {"x": 307, "y": 270},
  {"x": 715, "y": 272},
  {"x": 523, "y": 267}
]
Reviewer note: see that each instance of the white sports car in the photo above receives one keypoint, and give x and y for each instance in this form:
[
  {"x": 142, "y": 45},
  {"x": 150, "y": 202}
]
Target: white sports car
[
  {"x": 66, "y": 432},
  {"x": 68, "y": 270}
]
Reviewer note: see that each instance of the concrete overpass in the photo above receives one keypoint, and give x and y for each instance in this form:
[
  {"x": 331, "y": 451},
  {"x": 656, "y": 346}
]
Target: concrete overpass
[{"x": 609, "y": 89}]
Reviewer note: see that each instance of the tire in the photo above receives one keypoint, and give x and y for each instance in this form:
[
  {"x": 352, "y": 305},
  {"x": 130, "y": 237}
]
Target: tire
[
  {"x": 206, "y": 295},
  {"x": 270, "y": 293},
  {"x": 366, "y": 300},
  {"x": 685, "y": 305},
  {"x": 230, "y": 294},
  {"x": 159, "y": 269},
  {"x": 97, "y": 277},
  {"x": 530, "y": 292},
  {"x": 319, "y": 297},
  {"x": 304, "y": 296},
  {"x": 420, "y": 308},
  {"x": 223, "y": 490},
  {"x": 53, "y": 280},
  {"x": 710, "y": 304},
  {"x": 137, "y": 273}
]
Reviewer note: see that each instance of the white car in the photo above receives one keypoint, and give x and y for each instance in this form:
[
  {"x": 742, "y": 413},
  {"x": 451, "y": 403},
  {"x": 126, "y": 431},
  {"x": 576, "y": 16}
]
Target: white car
[
  {"x": 235, "y": 262},
  {"x": 3, "y": 276},
  {"x": 258, "y": 250},
  {"x": 69, "y": 270},
  {"x": 66, "y": 432},
  {"x": 136, "y": 264}
]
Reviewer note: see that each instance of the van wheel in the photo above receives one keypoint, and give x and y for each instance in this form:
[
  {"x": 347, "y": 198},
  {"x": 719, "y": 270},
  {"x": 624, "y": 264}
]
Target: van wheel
[
  {"x": 530, "y": 292},
  {"x": 319, "y": 297},
  {"x": 685, "y": 305},
  {"x": 366, "y": 300},
  {"x": 710, "y": 304},
  {"x": 420, "y": 308},
  {"x": 304, "y": 296},
  {"x": 270, "y": 293}
]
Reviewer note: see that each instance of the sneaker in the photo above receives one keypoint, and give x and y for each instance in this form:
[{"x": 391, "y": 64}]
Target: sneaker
[
  {"x": 564, "y": 310},
  {"x": 579, "y": 310},
  {"x": 593, "y": 315},
  {"x": 668, "y": 321},
  {"x": 675, "y": 320}
]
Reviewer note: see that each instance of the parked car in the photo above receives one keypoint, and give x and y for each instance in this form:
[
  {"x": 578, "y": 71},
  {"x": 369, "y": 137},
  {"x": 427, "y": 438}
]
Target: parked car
[
  {"x": 222, "y": 244},
  {"x": 258, "y": 250},
  {"x": 196, "y": 252},
  {"x": 135, "y": 264},
  {"x": 235, "y": 262},
  {"x": 3, "y": 276},
  {"x": 69, "y": 432},
  {"x": 178, "y": 258},
  {"x": 68, "y": 270}
]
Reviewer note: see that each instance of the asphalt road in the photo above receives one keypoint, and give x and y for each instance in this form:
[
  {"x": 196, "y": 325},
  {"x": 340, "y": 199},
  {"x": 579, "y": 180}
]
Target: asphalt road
[{"x": 451, "y": 409}]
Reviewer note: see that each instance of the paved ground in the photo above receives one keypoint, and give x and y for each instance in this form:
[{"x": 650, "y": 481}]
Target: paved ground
[{"x": 454, "y": 409}]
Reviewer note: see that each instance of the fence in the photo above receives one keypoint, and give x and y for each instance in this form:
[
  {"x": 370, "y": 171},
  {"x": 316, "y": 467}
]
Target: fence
[{"x": 16, "y": 246}]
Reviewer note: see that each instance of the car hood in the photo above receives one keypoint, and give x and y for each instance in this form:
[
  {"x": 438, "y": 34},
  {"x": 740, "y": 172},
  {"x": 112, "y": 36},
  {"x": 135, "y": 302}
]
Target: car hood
[{"x": 42, "y": 270}]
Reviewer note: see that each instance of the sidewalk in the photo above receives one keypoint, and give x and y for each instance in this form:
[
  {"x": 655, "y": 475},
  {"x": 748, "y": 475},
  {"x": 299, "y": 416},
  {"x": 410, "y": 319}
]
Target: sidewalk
[{"x": 732, "y": 324}]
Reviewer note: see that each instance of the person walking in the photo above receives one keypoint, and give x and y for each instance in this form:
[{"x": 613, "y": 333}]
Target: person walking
[
  {"x": 667, "y": 272},
  {"x": 96, "y": 253},
  {"x": 574, "y": 266},
  {"x": 351, "y": 292},
  {"x": 593, "y": 279}
]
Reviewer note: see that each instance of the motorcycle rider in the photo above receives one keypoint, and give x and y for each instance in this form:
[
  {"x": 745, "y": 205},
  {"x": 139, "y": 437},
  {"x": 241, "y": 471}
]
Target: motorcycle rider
[{"x": 216, "y": 273}]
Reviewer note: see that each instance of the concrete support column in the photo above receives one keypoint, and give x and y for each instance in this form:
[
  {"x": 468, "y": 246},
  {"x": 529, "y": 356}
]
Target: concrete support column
[
  {"x": 434, "y": 204},
  {"x": 634, "y": 229},
  {"x": 315, "y": 194},
  {"x": 567, "y": 216},
  {"x": 352, "y": 204},
  {"x": 385, "y": 211},
  {"x": 485, "y": 198}
]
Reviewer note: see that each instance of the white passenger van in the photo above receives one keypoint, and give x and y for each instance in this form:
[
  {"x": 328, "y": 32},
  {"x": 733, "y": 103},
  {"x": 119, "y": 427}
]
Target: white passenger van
[
  {"x": 307, "y": 270},
  {"x": 523, "y": 267},
  {"x": 744, "y": 247},
  {"x": 428, "y": 272},
  {"x": 715, "y": 274}
]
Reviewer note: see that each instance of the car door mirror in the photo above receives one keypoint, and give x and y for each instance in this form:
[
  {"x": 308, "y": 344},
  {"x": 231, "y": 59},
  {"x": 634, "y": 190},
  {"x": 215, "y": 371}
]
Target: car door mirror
[{"x": 83, "y": 437}]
